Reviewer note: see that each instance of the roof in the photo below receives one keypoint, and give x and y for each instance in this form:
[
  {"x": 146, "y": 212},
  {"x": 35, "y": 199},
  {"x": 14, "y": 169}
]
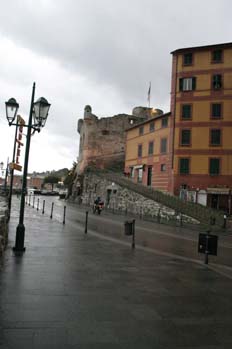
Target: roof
[
  {"x": 203, "y": 48},
  {"x": 148, "y": 120}
]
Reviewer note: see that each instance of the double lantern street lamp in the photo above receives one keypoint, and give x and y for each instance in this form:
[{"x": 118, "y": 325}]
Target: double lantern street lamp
[{"x": 37, "y": 119}]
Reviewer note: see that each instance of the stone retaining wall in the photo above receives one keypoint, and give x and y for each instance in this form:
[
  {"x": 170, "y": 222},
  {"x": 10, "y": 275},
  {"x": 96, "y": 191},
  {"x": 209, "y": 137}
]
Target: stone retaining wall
[
  {"x": 117, "y": 198},
  {"x": 3, "y": 224}
]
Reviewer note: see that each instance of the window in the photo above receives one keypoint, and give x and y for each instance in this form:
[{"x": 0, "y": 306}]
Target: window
[
  {"x": 216, "y": 110},
  {"x": 187, "y": 59},
  {"x": 141, "y": 130},
  {"x": 152, "y": 126},
  {"x": 217, "y": 82},
  {"x": 150, "y": 148},
  {"x": 163, "y": 167},
  {"x": 184, "y": 166},
  {"x": 214, "y": 166},
  {"x": 185, "y": 137},
  {"x": 217, "y": 56},
  {"x": 163, "y": 146},
  {"x": 164, "y": 122},
  {"x": 186, "y": 111},
  {"x": 215, "y": 137},
  {"x": 140, "y": 150},
  {"x": 187, "y": 84}
]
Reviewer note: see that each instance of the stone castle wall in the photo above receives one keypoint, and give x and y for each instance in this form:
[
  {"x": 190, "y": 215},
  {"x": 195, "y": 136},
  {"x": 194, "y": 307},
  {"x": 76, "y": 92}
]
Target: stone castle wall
[{"x": 102, "y": 141}]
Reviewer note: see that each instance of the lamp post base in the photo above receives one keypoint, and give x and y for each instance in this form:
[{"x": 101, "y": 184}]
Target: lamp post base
[{"x": 19, "y": 241}]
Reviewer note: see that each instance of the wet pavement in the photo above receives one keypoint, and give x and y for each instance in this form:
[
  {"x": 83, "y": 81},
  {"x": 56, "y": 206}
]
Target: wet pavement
[{"x": 76, "y": 290}]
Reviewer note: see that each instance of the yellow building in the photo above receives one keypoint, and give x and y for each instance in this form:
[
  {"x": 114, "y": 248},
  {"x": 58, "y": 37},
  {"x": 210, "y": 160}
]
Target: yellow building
[
  {"x": 147, "y": 157},
  {"x": 201, "y": 124}
]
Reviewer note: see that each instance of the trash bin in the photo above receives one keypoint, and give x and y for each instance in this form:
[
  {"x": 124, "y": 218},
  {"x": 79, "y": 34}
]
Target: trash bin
[{"x": 128, "y": 228}]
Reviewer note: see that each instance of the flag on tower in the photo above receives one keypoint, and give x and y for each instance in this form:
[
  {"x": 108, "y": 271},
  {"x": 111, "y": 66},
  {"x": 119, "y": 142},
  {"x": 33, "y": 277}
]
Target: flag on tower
[{"x": 149, "y": 95}]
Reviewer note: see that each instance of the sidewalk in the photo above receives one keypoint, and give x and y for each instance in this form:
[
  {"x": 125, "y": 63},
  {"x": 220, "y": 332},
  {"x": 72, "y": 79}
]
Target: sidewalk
[{"x": 76, "y": 290}]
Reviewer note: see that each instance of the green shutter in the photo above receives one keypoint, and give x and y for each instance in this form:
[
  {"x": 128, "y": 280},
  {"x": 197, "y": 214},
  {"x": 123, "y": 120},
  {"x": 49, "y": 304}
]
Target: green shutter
[
  {"x": 181, "y": 84},
  {"x": 194, "y": 81}
]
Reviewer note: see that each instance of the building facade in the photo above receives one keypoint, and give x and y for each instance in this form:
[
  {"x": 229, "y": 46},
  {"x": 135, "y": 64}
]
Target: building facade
[
  {"x": 148, "y": 158},
  {"x": 197, "y": 162},
  {"x": 201, "y": 106}
]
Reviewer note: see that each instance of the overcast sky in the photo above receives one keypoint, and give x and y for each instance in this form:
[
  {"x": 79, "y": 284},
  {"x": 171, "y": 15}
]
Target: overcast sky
[{"x": 97, "y": 52}]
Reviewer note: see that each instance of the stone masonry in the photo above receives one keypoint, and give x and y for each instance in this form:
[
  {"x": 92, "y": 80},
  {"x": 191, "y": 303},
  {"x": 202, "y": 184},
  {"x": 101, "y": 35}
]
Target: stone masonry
[
  {"x": 3, "y": 224},
  {"x": 124, "y": 200},
  {"x": 102, "y": 141}
]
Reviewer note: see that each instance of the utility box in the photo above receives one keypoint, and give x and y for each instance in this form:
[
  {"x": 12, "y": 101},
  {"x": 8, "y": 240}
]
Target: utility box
[
  {"x": 210, "y": 246},
  {"x": 129, "y": 226}
]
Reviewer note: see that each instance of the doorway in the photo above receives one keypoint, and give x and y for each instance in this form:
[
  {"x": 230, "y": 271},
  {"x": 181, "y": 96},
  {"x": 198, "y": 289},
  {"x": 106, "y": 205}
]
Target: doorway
[{"x": 149, "y": 175}]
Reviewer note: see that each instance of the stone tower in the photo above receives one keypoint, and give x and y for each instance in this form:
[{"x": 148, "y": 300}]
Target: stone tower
[{"x": 102, "y": 141}]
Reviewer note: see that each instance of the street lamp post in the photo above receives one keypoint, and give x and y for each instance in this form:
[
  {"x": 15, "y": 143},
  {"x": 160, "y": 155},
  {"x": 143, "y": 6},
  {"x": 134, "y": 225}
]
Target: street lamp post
[
  {"x": 12, "y": 168},
  {"x": 38, "y": 112}
]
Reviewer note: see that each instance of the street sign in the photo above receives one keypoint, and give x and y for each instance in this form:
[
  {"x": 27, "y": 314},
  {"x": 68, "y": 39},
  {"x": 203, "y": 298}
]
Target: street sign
[
  {"x": 15, "y": 166},
  {"x": 21, "y": 120},
  {"x": 208, "y": 244}
]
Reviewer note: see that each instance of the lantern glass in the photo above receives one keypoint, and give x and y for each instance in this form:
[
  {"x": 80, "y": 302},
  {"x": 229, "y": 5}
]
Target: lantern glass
[
  {"x": 41, "y": 108},
  {"x": 11, "y": 109}
]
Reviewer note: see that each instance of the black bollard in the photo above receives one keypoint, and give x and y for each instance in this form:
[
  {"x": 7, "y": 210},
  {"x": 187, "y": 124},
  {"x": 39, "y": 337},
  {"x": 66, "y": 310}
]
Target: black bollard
[
  {"x": 38, "y": 204},
  {"x": 207, "y": 248},
  {"x": 64, "y": 214},
  {"x": 86, "y": 222},
  {"x": 30, "y": 200},
  {"x": 43, "y": 206},
  {"x": 52, "y": 210},
  {"x": 133, "y": 234},
  {"x": 33, "y": 201}
]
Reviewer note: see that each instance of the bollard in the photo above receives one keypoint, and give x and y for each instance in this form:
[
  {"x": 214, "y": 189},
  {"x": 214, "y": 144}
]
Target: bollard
[
  {"x": 38, "y": 204},
  {"x": 33, "y": 201},
  {"x": 133, "y": 234},
  {"x": 52, "y": 210},
  {"x": 64, "y": 214},
  {"x": 43, "y": 206},
  {"x": 86, "y": 222},
  {"x": 207, "y": 248},
  {"x": 29, "y": 200}
]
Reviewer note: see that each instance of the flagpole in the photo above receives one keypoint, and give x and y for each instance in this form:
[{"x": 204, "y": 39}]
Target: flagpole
[{"x": 149, "y": 95}]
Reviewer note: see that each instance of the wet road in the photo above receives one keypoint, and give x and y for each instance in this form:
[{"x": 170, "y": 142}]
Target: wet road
[
  {"x": 169, "y": 240},
  {"x": 74, "y": 290}
]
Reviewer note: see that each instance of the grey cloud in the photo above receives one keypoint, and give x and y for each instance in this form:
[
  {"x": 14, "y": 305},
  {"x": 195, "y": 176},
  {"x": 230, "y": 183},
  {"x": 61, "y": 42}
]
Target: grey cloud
[{"x": 123, "y": 44}]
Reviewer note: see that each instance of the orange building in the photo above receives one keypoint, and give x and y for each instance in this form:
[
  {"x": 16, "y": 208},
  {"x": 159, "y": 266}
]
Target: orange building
[
  {"x": 201, "y": 106},
  {"x": 148, "y": 153},
  {"x": 197, "y": 162}
]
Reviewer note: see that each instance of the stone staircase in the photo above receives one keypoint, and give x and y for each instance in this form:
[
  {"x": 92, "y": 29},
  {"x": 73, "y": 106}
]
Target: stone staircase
[{"x": 203, "y": 214}]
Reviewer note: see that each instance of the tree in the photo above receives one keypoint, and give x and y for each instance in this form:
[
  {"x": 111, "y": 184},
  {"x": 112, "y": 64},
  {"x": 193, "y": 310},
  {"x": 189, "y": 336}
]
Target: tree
[
  {"x": 69, "y": 179},
  {"x": 51, "y": 179}
]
